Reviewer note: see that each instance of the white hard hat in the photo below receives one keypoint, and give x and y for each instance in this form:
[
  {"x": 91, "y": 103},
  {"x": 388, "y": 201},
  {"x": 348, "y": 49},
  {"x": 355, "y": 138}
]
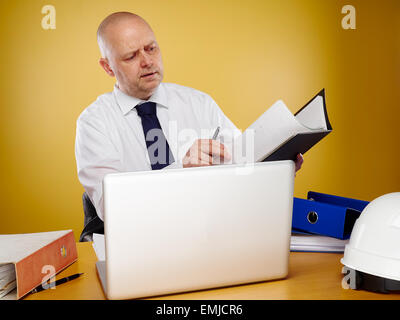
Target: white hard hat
[{"x": 374, "y": 247}]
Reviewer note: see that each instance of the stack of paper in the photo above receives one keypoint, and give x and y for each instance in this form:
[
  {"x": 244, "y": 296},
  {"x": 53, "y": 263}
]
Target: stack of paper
[
  {"x": 316, "y": 243},
  {"x": 7, "y": 279}
]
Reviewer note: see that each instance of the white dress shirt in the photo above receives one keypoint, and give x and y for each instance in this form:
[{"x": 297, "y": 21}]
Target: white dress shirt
[{"x": 110, "y": 138}]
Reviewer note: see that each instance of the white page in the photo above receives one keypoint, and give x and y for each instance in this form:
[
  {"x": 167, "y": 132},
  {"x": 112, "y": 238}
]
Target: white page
[
  {"x": 7, "y": 280},
  {"x": 99, "y": 246},
  {"x": 10, "y": 287},
  {"x": 270, "y": 130},
  {"x": 6, "y": 268},
  {"x": 313, "y": 116},
  {"x": 7, "y": 273}
]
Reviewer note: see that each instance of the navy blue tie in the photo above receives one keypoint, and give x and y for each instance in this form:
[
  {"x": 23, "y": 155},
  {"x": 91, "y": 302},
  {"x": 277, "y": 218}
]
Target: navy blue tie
[{"x": 157, "y": 145}]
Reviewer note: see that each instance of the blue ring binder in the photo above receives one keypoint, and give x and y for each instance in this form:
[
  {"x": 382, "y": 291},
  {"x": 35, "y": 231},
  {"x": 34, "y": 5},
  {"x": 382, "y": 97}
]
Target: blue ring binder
[{"x": 335, "y": 215}]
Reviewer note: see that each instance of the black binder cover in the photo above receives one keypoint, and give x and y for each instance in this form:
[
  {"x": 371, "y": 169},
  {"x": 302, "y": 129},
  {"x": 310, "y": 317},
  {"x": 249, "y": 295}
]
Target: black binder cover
[{"x": 301, "y": 142}]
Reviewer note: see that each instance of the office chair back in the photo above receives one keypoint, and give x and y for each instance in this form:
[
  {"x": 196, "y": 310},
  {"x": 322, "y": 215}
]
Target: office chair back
[{"x": 92, "y": 222}]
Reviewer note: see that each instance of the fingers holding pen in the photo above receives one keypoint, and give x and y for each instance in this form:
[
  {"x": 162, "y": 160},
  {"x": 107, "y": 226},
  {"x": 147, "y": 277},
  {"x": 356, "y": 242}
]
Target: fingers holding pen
[{"x": 205, "y": 152}]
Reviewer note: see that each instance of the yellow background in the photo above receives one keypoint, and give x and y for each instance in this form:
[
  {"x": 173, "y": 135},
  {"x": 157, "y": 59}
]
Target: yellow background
[{"x": 245, "y": 54}]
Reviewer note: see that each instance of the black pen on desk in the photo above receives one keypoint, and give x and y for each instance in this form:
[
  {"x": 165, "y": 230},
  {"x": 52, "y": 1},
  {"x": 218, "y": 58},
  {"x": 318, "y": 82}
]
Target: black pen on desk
[
  {"x": 56, "y": 283},
  {"x": 215, "y": 134}
]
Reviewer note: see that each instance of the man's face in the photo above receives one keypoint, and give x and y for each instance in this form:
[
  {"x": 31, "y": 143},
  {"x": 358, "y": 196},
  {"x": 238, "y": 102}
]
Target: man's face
[{"x": 134, "y": 57}]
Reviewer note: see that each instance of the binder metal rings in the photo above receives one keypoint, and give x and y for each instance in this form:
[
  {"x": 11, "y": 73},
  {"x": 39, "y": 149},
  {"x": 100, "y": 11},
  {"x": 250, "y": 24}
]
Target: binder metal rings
[{"x": 312, "y": 217}]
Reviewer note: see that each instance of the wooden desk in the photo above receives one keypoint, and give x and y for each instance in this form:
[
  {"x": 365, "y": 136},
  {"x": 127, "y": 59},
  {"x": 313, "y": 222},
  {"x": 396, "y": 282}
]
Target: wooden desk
[{"x": 311, "y": 276}]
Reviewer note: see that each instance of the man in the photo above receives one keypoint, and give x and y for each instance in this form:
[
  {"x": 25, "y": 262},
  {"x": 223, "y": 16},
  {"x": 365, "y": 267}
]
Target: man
[{"x": 144, "y": 124}]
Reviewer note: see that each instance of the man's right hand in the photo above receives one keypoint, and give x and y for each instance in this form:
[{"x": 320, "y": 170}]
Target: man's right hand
[{"x": 205, "y": 152}]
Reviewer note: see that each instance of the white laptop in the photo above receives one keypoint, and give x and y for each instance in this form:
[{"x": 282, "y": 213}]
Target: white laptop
[{"x": 178, "y": 230}]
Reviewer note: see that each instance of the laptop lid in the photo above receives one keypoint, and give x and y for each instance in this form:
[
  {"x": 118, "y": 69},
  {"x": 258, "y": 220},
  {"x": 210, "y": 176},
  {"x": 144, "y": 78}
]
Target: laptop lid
[{"x": 179, "y": 230}]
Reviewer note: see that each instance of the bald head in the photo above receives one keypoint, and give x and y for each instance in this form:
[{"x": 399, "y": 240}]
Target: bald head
[
  {"x": 113, "y": 21},
  {"x": 130, "y": 53}
]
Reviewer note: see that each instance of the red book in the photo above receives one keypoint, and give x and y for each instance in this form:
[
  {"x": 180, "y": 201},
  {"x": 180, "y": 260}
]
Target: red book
[{"x": 28, "y": 260}]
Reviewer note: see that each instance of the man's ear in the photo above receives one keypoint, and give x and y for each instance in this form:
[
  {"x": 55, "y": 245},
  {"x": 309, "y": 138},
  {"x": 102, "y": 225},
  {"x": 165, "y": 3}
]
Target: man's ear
[{"x": 104, "y": 64}]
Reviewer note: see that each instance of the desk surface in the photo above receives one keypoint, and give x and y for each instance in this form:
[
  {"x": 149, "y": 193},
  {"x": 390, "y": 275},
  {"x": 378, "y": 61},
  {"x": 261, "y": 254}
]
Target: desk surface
[{"x": 311, "y": 276}]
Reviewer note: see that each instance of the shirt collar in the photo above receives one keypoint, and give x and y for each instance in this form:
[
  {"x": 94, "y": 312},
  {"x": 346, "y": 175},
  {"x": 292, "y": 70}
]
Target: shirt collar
[{"x": 127, "y": 102}]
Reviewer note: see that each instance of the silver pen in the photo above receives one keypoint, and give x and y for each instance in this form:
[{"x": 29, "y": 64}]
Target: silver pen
[{"x": 215, "y": 134}]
